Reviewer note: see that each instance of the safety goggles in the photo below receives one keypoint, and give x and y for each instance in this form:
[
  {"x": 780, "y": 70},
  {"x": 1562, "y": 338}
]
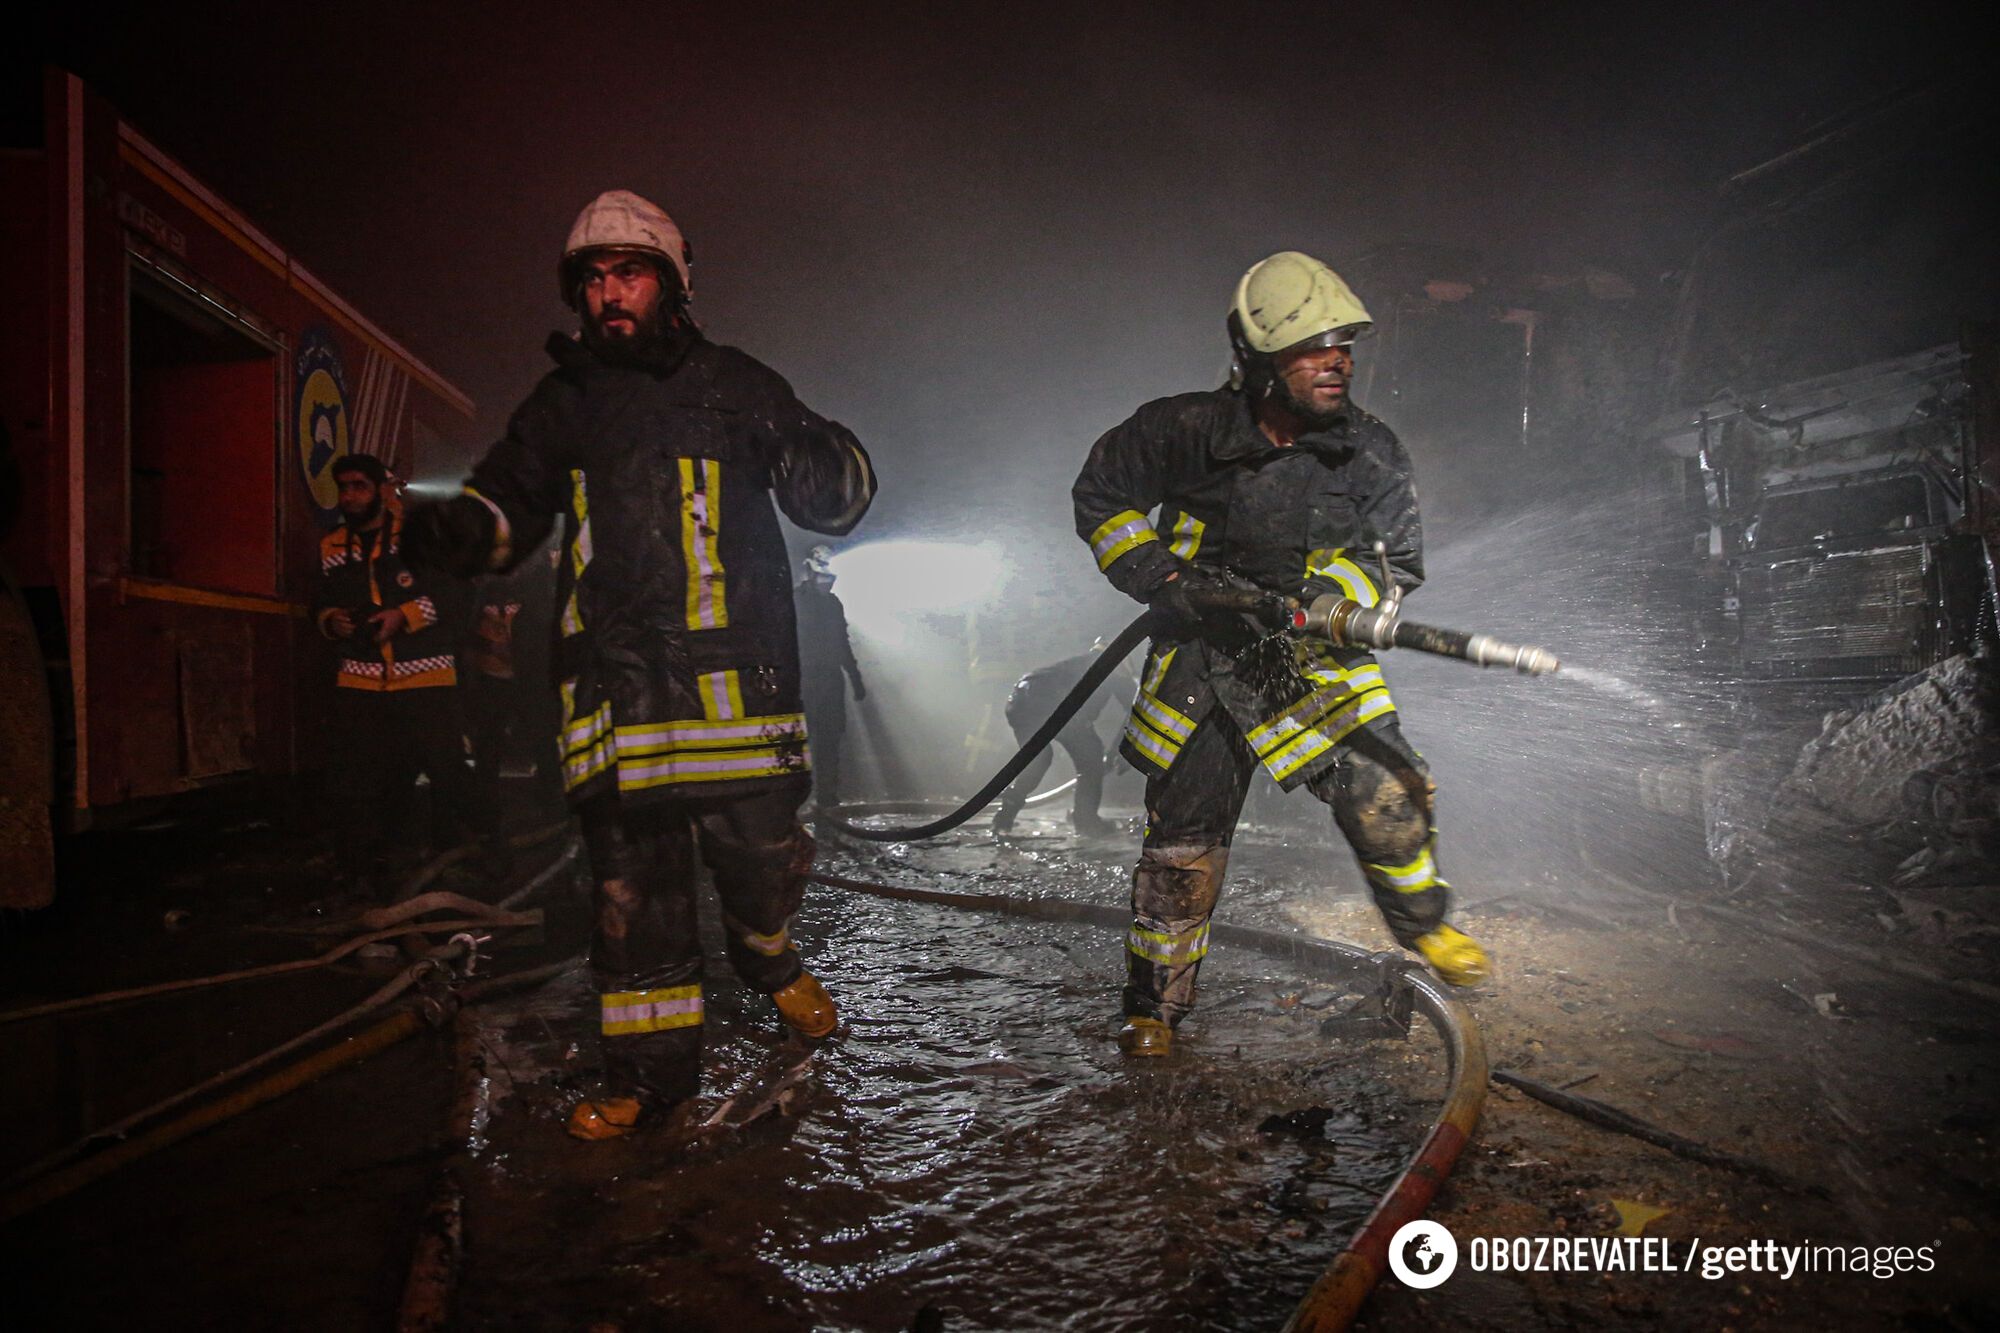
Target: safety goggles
[{"x": 1344, "y": 336}]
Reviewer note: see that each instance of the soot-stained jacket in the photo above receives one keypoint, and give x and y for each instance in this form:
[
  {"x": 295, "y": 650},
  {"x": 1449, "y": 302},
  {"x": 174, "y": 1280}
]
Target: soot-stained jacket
[
  {"x": 1301, "y": 520},
  {"x": 676, "y": 653}
]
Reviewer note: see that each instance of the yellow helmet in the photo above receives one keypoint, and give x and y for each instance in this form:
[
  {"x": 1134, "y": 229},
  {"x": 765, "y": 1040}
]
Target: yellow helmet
[
  {"x": 1290, "y": 299},
  {"x": 621, "y": 220}
]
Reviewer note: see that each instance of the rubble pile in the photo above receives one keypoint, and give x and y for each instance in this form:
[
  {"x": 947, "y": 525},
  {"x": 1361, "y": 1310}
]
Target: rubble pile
[{"x": 1903, "y": 788}]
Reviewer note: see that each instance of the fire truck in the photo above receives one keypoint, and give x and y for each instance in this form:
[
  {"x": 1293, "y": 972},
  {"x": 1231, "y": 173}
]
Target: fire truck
[{"x": 174, "y": 386}]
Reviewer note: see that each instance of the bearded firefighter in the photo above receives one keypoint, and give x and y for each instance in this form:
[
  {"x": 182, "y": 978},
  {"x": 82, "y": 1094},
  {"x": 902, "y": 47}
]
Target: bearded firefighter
[
  {"x": 1277, "y": 481},
  {"x": 676, "y": 654}
]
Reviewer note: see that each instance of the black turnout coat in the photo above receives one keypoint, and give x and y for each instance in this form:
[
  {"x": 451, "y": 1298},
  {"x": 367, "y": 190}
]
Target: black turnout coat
[
  {"x": 675, "y": 653},
  {"x": 1301, "y": 520}
]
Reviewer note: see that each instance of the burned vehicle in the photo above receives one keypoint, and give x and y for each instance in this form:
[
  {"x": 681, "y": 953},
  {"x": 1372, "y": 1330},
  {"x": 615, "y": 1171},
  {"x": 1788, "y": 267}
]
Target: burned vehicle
[{"x": 1838, "y": 545}]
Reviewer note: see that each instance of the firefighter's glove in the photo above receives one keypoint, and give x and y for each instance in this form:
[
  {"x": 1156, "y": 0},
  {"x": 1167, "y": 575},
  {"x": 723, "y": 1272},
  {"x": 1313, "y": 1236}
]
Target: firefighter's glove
[
  {"x": 455, "y": 536},
  {"x": 1176, "y": 603}
]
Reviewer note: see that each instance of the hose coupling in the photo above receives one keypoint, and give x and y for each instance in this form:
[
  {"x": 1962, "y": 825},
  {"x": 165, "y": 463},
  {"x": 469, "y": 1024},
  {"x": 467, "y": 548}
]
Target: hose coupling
[
  {"x": 1527, "y": 659},
  {"x": 1346, "y": 623}
]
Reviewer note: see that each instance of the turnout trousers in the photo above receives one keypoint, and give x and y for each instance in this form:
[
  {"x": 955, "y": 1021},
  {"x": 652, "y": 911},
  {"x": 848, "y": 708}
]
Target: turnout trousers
[
  {"x": 381, "y": 741},
  {"x": 1380, "y": 794},
  {"x": 645, "y": 951}
]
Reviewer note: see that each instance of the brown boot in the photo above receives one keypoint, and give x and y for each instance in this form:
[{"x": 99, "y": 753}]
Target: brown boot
[
  {"x": 1145, "y": 1036},
  {"x": 806, "y": 1007},
  {"x": 603, "y": 1118}
]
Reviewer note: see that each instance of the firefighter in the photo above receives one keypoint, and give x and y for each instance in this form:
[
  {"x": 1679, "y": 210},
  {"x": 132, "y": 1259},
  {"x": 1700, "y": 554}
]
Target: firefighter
[
  {"x": 1281, "y": 482},
  {"x": 1033, "y": 698},
  {"x": 676, "y": 657},
  {"x": 395, "y": 708},
  {"x": 827, "y": 657}
]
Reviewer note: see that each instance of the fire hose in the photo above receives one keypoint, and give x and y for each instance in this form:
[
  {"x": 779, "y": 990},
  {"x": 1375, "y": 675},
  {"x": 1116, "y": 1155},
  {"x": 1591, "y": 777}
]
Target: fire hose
[{"x": 1340, "y": 621}]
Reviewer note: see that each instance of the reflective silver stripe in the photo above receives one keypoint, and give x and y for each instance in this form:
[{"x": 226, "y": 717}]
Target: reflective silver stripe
[
  {"x": 1164, "y": 719},
  {"x": 586, "y": 764},
  {"x": 721, "y": 695},
  {"x": 1332, "y": 563},
  {"x": 1289, "y": 757},
  {"x": 1120, "y": 533},
  {"x": 769, "y": 762},
  {"x": 1150, "y": 743},
  {"x": 1169, "y": 950},
  {"x": 1187, "y": 535},
  {"x": 732, "y": 734},
  {"x": 582, "y": 733},
  {"x": 701, "y": 512},
  {"x": 1415, "y": 877},
  {"x": 628, "y": 1013}
]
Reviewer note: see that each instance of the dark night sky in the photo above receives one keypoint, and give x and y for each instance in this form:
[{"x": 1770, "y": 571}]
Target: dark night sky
[{"x": 979, "y": 241}]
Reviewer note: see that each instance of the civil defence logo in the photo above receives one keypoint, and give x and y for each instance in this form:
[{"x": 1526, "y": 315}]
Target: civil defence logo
[
  {"x": 1422, "y": 1254},
  {"x": 321, "y": 415}
]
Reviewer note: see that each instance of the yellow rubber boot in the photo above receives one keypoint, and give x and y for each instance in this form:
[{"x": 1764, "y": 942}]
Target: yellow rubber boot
[
  {"x": 806, "y": 1007},
  {"x": 1145, "y": 1036},
  {"x": 603, "y": 1118},
  {"x": 1453, "y": 955}
]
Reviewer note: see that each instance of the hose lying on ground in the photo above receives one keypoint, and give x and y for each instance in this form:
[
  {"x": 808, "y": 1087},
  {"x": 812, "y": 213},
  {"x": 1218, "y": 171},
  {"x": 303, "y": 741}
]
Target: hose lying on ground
[
  {"x": 1336, "y": 1297},
  {"x": 1624, "y": 1122},
  {"x": 502, "y": 920},
  {"x": 1120, "y": 648},
  {"x": 383, "y": 920},
  {"x": 382, "y": 997}
]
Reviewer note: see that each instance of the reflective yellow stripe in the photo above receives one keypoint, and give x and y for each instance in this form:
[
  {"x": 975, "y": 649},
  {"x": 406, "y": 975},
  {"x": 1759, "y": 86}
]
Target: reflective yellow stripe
[
  {"x": 1161, "y": 718},
  {"x": 1332, "y": 563},
  {"x": 1307, "y": 713},
  {"x": 702, "y": 734},
  {"x": 572, "y": 618},
  {"x": 579, "y": 503},
  {"x": 1189, "y": 946},
  {"x": 1187, "y": 535},
  {"x": 576, "y": 735},
  {"x": 701, "y": 517},
  {"x": 623, "y": 1013},
  {"x": 728, "y": 766},
  {"x": 1123, "y": 531},
  {"x": 1160, "y": 749},
  {"x": 721, "y": 695},
  {"x": 1417, "y": 876},
  {"x": 1326, "y": 732},
  {"x": 584, "y": 765},
  {"x": 768, "y": 945},
  {"x": 1358, "y": 680},
  {"x": 1158, "y": 671}
]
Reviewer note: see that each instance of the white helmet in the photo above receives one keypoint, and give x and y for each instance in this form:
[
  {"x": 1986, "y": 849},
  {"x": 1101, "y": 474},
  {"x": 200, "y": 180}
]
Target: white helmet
[
  {"x": 1290, "y": 299},
  {"x": 621, "y": 220}
]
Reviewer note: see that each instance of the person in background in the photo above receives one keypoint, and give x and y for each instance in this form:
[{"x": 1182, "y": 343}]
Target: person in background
[
  {"x": 827, "y": 668},
  {"x": 395, "y": 709},
  {"x": 1032, "y": 700}
]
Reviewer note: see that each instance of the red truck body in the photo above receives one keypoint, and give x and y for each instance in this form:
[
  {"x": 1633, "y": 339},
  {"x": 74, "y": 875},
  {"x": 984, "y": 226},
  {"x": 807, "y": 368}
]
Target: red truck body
[{"x": 175, "y": 387}]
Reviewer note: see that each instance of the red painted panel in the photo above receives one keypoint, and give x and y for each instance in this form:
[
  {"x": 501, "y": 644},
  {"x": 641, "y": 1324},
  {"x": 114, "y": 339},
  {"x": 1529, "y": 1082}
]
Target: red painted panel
[
  {"x": 24, "y": 362},
  {"x": 202, "y": 462}
]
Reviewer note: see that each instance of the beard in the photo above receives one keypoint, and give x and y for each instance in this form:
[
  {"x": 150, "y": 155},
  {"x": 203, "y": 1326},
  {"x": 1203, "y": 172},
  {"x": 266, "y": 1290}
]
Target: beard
[
  {"x": 621, "y": 348},
  {"x": 1313, "y": 418},
  {"x": 361, "y": 520}
]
